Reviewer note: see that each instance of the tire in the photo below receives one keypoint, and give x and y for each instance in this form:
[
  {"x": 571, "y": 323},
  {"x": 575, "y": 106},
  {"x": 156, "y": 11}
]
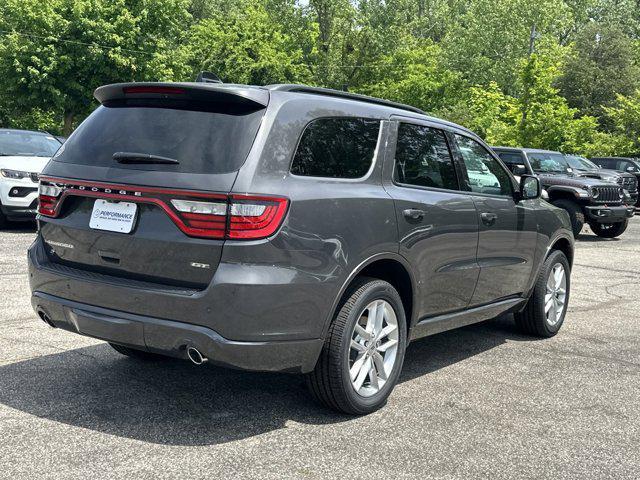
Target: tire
[
  {"x": 331, "y": 383},
  {"x": 575, "y": 214},
  {"x": 137, "y": 354},
  {"x": 3, "y": 220},
  {"x": 609, "y": 230},
  {"x": 533, "y": 318}
]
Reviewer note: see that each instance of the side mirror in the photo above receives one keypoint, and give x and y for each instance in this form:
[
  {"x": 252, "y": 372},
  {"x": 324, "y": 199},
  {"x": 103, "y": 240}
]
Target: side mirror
[
  {"x": 530, "y": 187},
  {"x": 631, "y": 169}
]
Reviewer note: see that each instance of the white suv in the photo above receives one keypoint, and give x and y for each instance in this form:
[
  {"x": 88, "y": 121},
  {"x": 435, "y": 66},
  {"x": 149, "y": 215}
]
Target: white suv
[{"x": 23, "y": 155}]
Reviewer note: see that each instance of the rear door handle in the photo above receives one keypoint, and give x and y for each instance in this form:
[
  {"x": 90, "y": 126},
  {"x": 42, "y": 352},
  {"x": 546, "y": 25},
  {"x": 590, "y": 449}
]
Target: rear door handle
[
  {"x": 488, "y": 218},
  {"x": 413, "y": 213}
]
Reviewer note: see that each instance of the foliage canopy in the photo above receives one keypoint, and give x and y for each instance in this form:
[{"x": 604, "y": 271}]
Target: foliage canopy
[{"x": 558, "y": 74}]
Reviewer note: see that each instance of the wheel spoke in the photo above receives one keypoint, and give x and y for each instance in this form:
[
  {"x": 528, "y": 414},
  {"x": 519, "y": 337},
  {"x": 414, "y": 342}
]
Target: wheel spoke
[
  {"x": 362, "y": 374},
  {"x": 371, "y": 318},
  {"x": 362, "y": 332},
  {"x": 378, "y": 361},
  {"x": 386, "y": 346},
  {"x": 548, "y": 302},
  {"x": 551, "y": 316},
  {"x": 358, "y": 346},
  {"x": 558, "y": 274},
  {"x": 379, "y": 317},
  {"x": 386, "y": 331},
  {"x": 373, "y": 377},
  {"x": 551, "y": 286},
  {"x": 357, "y": 366}
]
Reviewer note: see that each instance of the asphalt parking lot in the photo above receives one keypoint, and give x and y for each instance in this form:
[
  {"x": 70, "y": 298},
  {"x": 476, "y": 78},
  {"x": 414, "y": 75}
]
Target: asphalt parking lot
[{"x": 482, "y": 401}]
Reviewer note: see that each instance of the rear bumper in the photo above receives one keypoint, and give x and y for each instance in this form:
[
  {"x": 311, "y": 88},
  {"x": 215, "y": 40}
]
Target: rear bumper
[
  {"x": 173, "y": 338},
  {"x": 18, "y": 213},
  {"x": 608, "y": 214}
]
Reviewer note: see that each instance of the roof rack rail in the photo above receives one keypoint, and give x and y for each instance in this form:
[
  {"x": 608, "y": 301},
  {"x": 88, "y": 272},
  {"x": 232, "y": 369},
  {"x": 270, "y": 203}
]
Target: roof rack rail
[{"x": 337, "y": 93}]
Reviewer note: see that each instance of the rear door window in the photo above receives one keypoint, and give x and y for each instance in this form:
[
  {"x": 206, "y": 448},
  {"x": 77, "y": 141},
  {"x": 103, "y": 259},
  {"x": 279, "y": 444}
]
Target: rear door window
[
  {"x": 201, "y": 141},
  {"x": 423, "y": 158},
  {"x": 336, "y": 147}
]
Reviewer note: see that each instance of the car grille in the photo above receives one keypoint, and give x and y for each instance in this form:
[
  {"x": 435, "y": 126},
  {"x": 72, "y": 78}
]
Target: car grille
[
  {"x": 34, "y": 177},
  {"x": 608, "y": 195},
  {"x": 628, "y": 183}
]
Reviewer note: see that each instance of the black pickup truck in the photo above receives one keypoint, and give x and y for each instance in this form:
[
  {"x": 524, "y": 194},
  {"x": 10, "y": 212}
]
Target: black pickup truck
[
  {"x": 626, "y": 165},
  {"x": 594, "y": 198},
  {"x": 586, "y": 168}
]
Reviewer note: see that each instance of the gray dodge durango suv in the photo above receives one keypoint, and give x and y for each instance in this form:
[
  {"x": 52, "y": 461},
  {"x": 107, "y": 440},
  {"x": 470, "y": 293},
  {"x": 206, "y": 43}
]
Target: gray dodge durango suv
[{"x": 288, "y": 228}]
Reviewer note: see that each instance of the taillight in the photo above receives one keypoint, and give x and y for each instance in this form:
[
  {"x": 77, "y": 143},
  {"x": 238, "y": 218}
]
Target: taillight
[
  {"x": 202, "y": 219},
  {"x": 153, "y": 89},
  {"x": 245, "y": 217},
  {"x": 252, "y": 217},
  {"x": 48, "y": 199},
  {"x": 203, "y": 215}
]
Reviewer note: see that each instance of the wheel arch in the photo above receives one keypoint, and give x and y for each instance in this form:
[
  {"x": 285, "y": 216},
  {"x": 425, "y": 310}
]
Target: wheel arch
[
  {"x": 388, "y": 266},
  {"x": 562, "y": 242},
  {"x": 565, "y": 245},
  {"x": 562, "y": 193}
]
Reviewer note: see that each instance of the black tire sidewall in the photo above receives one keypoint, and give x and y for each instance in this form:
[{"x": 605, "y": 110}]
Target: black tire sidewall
[
  {"x": 540, "y": 291},
  {"x": 575, "y": 214},
  {"x": 616, "y": 231},
  {"x": 376, "y": 290}
]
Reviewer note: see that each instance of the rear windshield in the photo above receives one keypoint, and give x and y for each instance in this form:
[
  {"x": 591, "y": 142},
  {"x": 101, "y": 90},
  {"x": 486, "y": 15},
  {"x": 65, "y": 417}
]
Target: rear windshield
[{"x": 201, "y": 141}]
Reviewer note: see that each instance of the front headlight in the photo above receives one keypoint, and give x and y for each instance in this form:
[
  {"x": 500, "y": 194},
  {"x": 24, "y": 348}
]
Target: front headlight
[
  {"x": 17, "y": 174},
  {"x": 594, "y": 192},
  {"x": 621, "y": 193}
]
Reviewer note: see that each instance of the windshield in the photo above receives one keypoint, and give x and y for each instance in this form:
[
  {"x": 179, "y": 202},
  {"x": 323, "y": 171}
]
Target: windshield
[
  {"x": 580, "y": 163},
  {"x": 548, "y": 162},
  {"x": 27, "y": 144}
]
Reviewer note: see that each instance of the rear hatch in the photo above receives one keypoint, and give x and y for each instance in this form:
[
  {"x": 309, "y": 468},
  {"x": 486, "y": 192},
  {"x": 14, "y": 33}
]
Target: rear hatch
[{"x": 140, "y": 191}]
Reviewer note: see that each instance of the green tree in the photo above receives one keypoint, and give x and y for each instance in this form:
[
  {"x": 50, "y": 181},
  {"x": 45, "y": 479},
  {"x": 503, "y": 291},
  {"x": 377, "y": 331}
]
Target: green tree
[
  {"x": 546, "y": 121},
  {"x": 601, "y": 65},
  {"x": 625, "y": 120},
  {"x": 489, "y": 40},
  {"x": 490, "y": 113},
  {"x": 245, "y": 44},
  {"x": 53, "y": 54},
  {"x": 414, "y": 75}
]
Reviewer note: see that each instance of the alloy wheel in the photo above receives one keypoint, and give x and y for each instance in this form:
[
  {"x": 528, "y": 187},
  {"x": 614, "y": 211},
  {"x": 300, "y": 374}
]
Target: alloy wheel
[
  {"x": 556, "y": 294},
  {"x": 374, "y": 348}
]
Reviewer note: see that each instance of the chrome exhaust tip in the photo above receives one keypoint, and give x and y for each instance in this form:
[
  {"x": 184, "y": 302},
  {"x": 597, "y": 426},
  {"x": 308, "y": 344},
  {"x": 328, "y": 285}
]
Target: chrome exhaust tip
[
  {"x": 195, "y": 356},
  {"x": 45, "y": 318}
]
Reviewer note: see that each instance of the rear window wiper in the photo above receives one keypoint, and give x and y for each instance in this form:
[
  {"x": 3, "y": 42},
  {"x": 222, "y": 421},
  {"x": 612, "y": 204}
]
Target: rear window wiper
[{"x": 132, "y": 157}]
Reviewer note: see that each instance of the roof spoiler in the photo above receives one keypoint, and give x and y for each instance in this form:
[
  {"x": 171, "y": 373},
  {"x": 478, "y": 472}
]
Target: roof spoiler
[{"x": 203, "y": 92}]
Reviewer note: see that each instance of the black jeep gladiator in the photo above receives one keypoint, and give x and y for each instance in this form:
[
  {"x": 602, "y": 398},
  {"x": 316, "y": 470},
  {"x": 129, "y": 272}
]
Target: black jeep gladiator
[{"x": 603, "y": 204}]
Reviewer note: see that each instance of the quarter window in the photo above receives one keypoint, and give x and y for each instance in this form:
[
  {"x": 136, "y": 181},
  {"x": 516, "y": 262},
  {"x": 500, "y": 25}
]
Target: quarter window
[
  {"x": 336, "y": 148},
  {"x": 423, "y": 158},
  {"x": 485, "y": 173}
]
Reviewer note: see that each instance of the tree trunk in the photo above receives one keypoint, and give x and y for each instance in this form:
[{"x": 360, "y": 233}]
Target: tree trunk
[{"x": 67, "y": 128}]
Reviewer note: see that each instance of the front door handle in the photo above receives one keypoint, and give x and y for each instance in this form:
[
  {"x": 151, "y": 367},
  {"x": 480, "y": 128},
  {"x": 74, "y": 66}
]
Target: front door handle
[
  {"x": 413, "y": 213},
  {"x": 488, "y": 218}
]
